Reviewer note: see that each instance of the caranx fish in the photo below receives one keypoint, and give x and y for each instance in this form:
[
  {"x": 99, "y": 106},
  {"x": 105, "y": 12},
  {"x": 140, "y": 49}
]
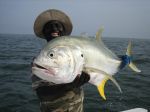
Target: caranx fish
[{"x": 98, "y": 61}]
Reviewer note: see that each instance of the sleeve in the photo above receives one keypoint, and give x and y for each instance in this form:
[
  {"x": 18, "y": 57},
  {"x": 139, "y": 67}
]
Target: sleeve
[
  {"x": 37, "y": 82},
  {"x": 46, "y": 88}
]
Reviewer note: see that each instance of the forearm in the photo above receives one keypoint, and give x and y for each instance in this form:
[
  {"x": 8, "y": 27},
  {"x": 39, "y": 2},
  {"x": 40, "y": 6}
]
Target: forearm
[
  {"x": 62, "y": 88},
  {"x": 54, "y": 89}
]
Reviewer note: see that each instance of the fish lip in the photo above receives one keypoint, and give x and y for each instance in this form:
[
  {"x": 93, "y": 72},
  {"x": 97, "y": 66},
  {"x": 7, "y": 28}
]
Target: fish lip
[
  {"x": 38, "y": 66},
  {"x": 46, "y": 70}
]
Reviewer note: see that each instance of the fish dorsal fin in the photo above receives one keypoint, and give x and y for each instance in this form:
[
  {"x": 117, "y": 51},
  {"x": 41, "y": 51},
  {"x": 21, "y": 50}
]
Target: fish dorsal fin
[{"x": 99, "y": 33}]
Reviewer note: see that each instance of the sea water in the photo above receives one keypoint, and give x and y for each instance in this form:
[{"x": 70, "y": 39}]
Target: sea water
[{"x": 17, "y": 95}]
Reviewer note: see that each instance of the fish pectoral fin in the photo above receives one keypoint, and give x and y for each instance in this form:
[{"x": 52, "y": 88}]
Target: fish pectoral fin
[
  {"x": 101, "y": 88},
  {"x": 133, "y": 67}
]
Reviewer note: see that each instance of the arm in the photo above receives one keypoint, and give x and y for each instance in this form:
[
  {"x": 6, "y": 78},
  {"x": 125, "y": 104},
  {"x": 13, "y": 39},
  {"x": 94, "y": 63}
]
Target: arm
[{"x": 61, "y": 88}]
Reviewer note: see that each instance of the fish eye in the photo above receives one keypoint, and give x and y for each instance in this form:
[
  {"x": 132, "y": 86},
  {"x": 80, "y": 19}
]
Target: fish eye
[
  {"x": 50, "y": 54},
  {"x": 81, "y": 55}
]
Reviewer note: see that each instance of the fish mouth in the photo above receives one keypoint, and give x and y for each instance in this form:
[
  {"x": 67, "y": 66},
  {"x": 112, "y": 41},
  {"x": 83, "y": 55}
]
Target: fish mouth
[
  {"x": 49, "y": 71},
  {"x": 37, "y": 66}
]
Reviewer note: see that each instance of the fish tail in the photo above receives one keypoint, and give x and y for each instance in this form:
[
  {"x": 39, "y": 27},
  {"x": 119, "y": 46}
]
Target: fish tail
[{"x": 127, "y": 60}]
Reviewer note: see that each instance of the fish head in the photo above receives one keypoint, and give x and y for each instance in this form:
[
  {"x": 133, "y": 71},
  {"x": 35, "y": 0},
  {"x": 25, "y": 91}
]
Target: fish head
[{"x": 59, "y": 64}]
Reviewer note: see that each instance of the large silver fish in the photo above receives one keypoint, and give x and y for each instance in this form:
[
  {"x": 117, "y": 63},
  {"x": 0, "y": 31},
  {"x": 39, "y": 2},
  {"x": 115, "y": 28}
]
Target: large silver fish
[{"x": 98, "y": 61}]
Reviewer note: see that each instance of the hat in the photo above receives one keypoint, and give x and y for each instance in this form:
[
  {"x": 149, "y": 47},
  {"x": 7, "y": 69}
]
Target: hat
[{"x": 49, "y": 15}]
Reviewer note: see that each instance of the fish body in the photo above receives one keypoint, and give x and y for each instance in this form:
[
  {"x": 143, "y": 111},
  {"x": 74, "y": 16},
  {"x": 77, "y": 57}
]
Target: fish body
[
  {"x": 98, "y": 61},
  {"x": 96, "y": 54}
]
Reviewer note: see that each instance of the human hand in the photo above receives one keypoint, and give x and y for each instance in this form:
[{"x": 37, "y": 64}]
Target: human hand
[{"x": 81, "y": 80}]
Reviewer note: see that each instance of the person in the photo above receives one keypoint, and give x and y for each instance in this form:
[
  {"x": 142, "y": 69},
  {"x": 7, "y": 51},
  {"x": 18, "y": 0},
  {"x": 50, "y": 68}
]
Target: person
[{"x": 57, "y": 97}]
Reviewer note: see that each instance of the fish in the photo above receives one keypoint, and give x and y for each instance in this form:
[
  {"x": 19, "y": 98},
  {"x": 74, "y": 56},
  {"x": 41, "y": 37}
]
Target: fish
[
  {"x": 99, "y": 61},
  {"x": 58, "y": 64}
]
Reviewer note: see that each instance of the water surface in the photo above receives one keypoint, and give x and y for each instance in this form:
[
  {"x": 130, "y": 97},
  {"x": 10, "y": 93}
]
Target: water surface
[{"x": 16, "y": 94}]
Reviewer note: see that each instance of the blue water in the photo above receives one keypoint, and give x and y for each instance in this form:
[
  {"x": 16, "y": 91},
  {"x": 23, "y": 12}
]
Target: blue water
[{"x": 16, "y": 94}]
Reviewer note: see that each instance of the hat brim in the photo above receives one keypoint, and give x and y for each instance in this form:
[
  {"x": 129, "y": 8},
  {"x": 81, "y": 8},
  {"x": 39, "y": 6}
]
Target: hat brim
[{"x": 49, "y": 15}]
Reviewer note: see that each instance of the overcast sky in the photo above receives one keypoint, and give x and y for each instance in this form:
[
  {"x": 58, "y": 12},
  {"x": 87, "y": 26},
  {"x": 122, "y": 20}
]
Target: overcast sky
[{"x": 120, "y": 18}]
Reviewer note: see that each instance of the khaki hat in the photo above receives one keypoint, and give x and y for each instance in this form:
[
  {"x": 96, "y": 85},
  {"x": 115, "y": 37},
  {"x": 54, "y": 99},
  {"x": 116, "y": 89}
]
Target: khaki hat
[{"x": 49, "y": 15}]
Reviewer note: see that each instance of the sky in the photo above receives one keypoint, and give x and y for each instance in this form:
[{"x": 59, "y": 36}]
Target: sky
[{"x": 120, "y": 18}]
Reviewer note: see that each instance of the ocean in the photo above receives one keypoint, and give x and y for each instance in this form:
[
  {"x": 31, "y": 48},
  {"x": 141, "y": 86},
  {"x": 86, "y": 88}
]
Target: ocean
[{"x": 17, "y": 95}]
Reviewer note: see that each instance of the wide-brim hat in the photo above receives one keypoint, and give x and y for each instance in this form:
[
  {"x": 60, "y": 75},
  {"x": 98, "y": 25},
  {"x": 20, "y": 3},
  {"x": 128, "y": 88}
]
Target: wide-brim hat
[{"x": 49, "y": 15}]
